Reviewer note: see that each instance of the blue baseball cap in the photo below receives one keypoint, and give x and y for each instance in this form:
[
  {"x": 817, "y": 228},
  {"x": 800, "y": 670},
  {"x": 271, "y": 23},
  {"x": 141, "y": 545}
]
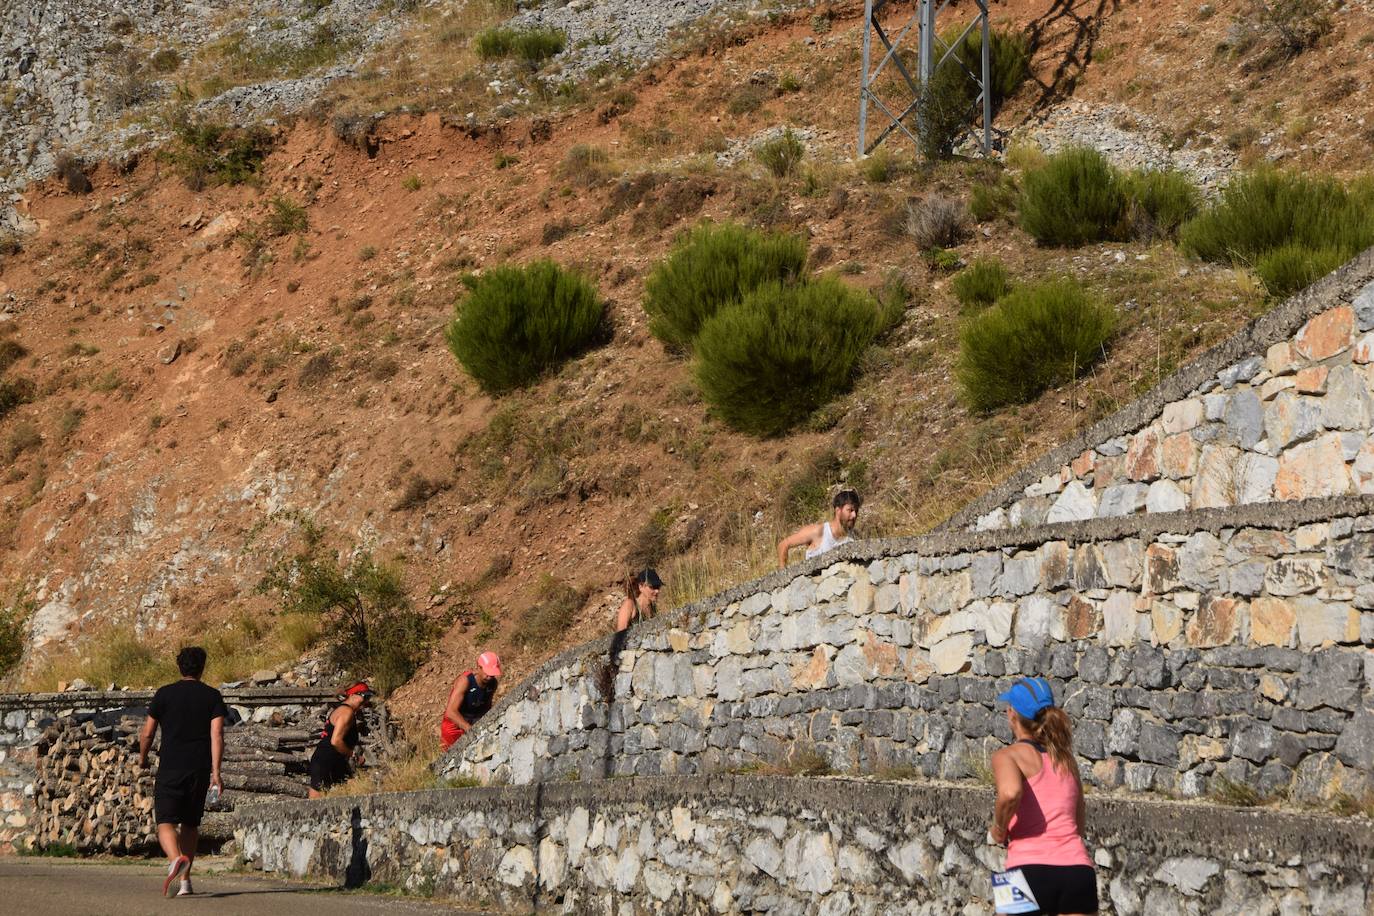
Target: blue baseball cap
[{"x": 1029, "y": 696}]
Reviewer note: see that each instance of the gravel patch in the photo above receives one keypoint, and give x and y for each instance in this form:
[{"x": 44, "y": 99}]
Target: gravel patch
[{"x": 1129, "y": 140}]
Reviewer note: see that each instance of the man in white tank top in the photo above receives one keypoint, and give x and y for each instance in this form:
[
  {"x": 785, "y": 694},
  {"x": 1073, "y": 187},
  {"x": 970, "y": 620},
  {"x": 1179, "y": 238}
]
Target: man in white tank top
[{"x": 827, "y": 535}]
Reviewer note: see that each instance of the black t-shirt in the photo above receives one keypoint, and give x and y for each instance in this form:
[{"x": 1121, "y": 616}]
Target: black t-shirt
[
  {"x": 183, "y": 710},
  {"x": 476, "y": 699}
]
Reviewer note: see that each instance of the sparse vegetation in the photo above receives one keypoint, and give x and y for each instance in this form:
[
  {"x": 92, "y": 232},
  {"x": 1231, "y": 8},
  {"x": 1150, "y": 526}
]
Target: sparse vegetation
[
  {"x": 1075, "y": 198},
  {"x": 286, "y": 217},
  {"x": 1292, "y": 228},
  {"x": 11, "y": 352},
  {"x": 210, "y": 153},
  {"x": 586, "y": 165},
  {"x": 530, "y": 45},
  {"x": 1159, "y": 201},
  {"x": 1035, "y": 337},
  {"x": 14, "y": 392},
  {"x": 947, "y": 105},
  {"x": 546, "y": 621},
  {"x": 711, "y": 267},
  {"x": 981, "y": 284},
  {"x": 373, "y": 630},
  {"x": 14, "y": 631},
  {"x": 767, "y": 362},
  {"x": 782, "y": 154},
  {"x": 518, "y": 322},
  {"x": 936, "y": 222}
]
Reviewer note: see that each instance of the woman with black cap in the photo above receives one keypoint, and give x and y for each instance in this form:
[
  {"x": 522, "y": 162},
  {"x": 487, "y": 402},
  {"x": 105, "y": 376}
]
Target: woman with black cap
[
  {"x": 329, "y": 765},
  {"x": 1039, "y": 812},
  {"x": 641, "y": 593}
]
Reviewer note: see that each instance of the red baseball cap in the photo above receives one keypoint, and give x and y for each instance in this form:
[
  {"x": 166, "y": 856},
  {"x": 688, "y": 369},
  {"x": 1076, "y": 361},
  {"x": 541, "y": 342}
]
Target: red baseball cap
[
  {"x": 362, "y": 687},
  {"x": 490, "y": 664}
]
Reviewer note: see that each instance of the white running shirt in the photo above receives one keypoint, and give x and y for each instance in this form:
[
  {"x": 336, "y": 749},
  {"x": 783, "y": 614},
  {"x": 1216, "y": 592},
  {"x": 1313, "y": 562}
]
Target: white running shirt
[{"x": 828, "y": 542}]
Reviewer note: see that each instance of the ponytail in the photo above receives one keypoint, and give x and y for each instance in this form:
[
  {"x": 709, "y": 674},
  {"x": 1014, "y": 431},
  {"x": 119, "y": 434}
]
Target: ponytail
[
  {"x": 632, "y": 588},
  {"x": 1051, "y": 729}
]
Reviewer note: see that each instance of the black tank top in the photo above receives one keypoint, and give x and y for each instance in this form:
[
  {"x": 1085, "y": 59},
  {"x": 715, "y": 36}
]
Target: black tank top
[{"x": 350, "y": 738}]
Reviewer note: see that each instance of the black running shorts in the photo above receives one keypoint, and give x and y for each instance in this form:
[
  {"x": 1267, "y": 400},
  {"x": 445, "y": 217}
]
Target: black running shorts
[
  {"x": 328, "y": 768},
  {"x": 179, "y": 797},
  {"x": 1062, "y": 888}
]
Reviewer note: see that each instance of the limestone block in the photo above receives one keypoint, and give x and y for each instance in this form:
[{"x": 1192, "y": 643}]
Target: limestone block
[
  {"x": 553, "y": 864},
  {"x": 517, "y": 866},
  {"x": 1271, "y": 622},
  {"x": 1347, "y": 404},
  {"x": 1214, "y": 485},
  {"x": 1287, "y": 576},
  {"x": 951, "y": 655},
  {"x": 1076, "y": 503},
  {"x": 1326, "y": 334},
  {"x": 1189, "y": 874},
  {"x": 1321, "y": 623},
  {"x": 1280, "y": 359},
  {"x": 1292, "y": 418},
  {"x": 1313, "y": 469},
  {"x": 1216, "y": 623},
  {"x": 887, "y": 599},
  {"x": 815, "y": 673},
  {"x": 992, "y": 521},
  {"x": 1142, "y": 456},
  {"x": 1054, "y": 565},
  {"x": 1036, "y": 616},
  {"x": 986, "y": 568},
  {"x": 1312, "y": 380},
  {"x": 801, "y": 593},
  {"x": 851, "y": 667},
  {"x": 1082, "y": 619},
  {"x": 1020, "y": 575},
  {"x": 1179, "y": 456},
  {"x": 1355, "y": 747},
  {"x": 1181, "y": 416},
  {"x": 1083, "y": 465},
  {"x": 1119, "y": 620},
  {"x": 1271, "y": 388},
  {"x": 1161, "y": 569},
  {"x": 1363, "y": 306},
  {"x": 1363, "y": 470},
  {"x": 999, "y": 619},
  {"x": 1364, "y": 350},
  {"x": 627, "y": 870},
  {"x": 1123, "y": 562},
  {"x": 1244, "y": 417},
  {"x": 1122, "y": 499},
  {"x": 1165, "y": 496},
  {"x": 1166, "y": 621},
  {"x": 1200, "y": 562}
]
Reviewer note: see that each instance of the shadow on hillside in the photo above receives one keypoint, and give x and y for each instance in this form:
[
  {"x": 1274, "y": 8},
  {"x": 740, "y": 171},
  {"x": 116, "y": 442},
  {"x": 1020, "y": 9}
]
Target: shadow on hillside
[{"x": 1068, "y": 29}]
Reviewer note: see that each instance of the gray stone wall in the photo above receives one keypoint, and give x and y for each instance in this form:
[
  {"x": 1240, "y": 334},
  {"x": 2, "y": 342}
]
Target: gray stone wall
[
  {"x": 1237, "y": 647},
  {"x": 1284, "y": 410},
  {"x": 724, "y": 844}
]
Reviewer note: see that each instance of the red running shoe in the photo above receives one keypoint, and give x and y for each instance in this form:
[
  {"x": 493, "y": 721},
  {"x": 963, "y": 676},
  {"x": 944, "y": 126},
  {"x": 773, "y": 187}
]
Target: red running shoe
[{"x": 180, "y": 865}]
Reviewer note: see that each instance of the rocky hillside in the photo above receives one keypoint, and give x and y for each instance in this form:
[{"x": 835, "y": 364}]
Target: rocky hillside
[{"x": 211, "y": 366}]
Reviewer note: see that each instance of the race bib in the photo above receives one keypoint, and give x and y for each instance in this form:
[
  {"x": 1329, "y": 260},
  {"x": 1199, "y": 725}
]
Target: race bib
[{"x": 1011, "y": 893}]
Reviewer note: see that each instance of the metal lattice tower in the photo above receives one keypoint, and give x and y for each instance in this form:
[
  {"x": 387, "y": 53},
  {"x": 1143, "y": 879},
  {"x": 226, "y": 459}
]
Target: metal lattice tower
[{"x": 932, "y": 53}]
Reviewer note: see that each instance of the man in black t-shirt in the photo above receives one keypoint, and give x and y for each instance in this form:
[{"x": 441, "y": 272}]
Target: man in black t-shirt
[{"x": 191, "y": 715}]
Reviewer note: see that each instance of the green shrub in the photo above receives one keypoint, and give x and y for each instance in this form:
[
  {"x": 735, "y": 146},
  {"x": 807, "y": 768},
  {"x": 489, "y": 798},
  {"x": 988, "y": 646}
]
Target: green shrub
[
  {"x": 286, "y": 217},
  {"x": 210, "y": 153},
  {"x": 1293, "y": 267},
  {"x": 14, "y": 632},
  {"x": 711, "y": 267},
  {"x": 1314, "y": 220},
  {"x": 768, "y": 361},
  {"x": 545, "y": 622},
  {"x": 14, "y": 392},
  {"x": 781, "y": 154},
  {"x": 981, "y": 284},
  {"x": 993, "y": 200},
  {"x": 531, "y": 45},
  {"x": 518, "y": 322},
  {"x": 1076, "y": 197},
  {"x": 371, "y": 628},
  {"x": 948, "y": 104},
  {"x": 1035, "y": 337},
  {"x": 1159, "y": 202},
  {"x": 11, "y": 352}
]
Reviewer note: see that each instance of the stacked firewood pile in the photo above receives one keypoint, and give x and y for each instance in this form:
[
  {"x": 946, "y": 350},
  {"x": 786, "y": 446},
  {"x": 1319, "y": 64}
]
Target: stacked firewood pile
[{"x": 91, "y": 794}]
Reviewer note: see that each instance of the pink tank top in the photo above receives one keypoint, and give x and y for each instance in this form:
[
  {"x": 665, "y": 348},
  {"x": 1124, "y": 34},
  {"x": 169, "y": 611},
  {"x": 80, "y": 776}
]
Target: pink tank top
[{"x": 1044, "y": 830}]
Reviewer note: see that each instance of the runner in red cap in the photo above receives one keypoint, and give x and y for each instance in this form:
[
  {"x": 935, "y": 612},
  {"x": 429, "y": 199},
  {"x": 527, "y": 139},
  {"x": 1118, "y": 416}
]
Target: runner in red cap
[
  {"x": 469, "y": 698},
  {"x": 329, "y": 765}
]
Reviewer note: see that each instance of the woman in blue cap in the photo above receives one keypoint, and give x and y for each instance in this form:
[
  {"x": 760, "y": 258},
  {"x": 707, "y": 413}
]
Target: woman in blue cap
[{"x": 1039, "y": 812}]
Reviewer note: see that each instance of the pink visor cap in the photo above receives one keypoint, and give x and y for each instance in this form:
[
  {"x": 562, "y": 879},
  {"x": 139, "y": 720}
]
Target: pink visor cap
[{"x": 490, "y": 664}]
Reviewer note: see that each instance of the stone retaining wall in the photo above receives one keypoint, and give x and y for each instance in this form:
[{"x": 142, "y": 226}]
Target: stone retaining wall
[
  {"x": 1188, "y": 646},
  {"x": 25, "y": 719},
  {"x": 1283, "y": 410},
  {"x": 725, "y": 844}
]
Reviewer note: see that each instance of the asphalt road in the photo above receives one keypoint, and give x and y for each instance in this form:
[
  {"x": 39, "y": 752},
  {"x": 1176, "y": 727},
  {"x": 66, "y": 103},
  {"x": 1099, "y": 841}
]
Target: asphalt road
[{"x": 72, "y": 887}]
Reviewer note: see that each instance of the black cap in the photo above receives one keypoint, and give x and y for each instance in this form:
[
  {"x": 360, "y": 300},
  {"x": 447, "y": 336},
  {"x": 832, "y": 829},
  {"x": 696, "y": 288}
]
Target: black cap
[{"x": 650, "y": 578}]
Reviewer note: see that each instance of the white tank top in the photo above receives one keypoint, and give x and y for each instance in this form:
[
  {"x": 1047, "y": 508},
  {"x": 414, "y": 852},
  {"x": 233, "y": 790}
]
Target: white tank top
[{"x": 828, "y": 542}]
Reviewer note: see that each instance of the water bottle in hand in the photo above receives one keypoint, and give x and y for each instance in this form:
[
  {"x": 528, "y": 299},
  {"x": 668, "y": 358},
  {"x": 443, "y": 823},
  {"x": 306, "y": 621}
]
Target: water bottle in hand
[{"x": 212, "y": 797}]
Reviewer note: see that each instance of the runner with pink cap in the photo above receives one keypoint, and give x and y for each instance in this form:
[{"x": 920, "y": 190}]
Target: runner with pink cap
[{"x": 469, "y": 698}]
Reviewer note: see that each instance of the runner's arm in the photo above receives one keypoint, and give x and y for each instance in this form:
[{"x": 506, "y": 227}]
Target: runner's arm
[
  {"x": 804, "y": 536},
  {"x": 622, "y": 616},
  {"x": 1010, "y": 784},
  {"x": 145, "y": 740},
  {"x": 451, "y": 713},
  {"x": 340, "y": 729},
  {"x": 216, "y": 751}
]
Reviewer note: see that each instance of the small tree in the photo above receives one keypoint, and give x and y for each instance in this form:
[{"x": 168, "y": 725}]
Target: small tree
[
  {"x": 711, "y": 267},
  {"x": 518, "y": 322},
  {"x": 370, "y": 627},
  {"x": 767, "y": 362}
]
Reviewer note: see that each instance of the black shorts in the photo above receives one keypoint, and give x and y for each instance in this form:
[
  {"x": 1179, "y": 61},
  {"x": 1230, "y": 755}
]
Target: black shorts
[
  {"x": 1062, "y": 888},
  {"x": 179, "y": 797},
  {"x": 328, "y": 768}
]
